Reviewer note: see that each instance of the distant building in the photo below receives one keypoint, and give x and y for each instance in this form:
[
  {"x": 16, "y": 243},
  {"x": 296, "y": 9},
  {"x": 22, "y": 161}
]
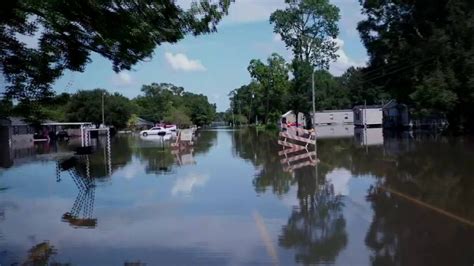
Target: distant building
[
  {"x": 15, "y": 131},
  {"x": 289, "y": 120},
  {"x": 396, "y": 115},
  {"x": 369, "y": 116},
  {"x": 333, "y": 117}
]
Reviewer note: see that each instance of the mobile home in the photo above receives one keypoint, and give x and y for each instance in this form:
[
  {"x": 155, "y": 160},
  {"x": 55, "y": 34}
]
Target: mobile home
[
  {"x": 333, "y": 117},
  {"x": 368, "y": 116}
]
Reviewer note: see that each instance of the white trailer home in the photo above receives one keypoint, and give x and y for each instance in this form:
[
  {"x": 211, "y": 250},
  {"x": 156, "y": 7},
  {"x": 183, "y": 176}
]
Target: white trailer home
[
  {"x": 333, "y": 117},
  {"x": 368, "y": 116}
]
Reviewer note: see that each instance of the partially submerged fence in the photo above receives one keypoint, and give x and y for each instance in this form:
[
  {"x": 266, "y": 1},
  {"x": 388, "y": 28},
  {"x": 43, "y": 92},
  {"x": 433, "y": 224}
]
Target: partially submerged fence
[{"x": 299, "y": 148}]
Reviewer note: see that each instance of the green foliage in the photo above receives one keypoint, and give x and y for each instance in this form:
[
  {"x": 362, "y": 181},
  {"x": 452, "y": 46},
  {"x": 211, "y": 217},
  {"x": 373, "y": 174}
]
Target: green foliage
[
  {"x": 86, "y": 106},
  {"x": 266, "y": 94},
  {"x": 353, "y": 81},
  {"x": 199, "y": 109},
  {"x": 309, "y": 28},
  {"x": 433, "y": 95},
  {"x": 421, "y": 54},
  {"x": 300, "y": 91},
  {"x": 132, "y": 122},
  {"x": 171, "y": 103},
  {"x": 6, "y": 107},
  {"x": 240, "y": 120},
  {"x": 70, "y": 30},
  {"x": 157, "y": 99},
  {"x": 330, "y": 94},
  {"x": 272, "y": 80},
  {"x": 178, "y": 117}
]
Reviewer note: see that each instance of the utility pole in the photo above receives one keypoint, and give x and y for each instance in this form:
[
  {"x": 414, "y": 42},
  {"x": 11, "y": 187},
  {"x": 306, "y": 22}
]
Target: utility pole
[
  {"x": 103, "y": 113},
  {"x": 313, "y": 118},
  {"x": 365, "y": 114},
  {"x": 233, "y": 115}
]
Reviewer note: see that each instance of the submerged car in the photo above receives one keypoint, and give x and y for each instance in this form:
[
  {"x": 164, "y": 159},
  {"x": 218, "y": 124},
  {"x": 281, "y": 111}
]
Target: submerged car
[{"x": 159, "y": 131}]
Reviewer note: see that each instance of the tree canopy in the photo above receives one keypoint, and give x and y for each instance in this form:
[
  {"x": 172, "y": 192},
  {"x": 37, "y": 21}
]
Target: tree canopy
[
  {"x": 309, "y": 28},
  {"x": 421, "y": 53},
  {"x": 123, "y": 31},
  {"x": 166, "y": 101},
  {"x": 86, "y": 106}
]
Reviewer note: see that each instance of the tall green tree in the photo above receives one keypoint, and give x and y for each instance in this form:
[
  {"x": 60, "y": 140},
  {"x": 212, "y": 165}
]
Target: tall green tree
[
  {"x": 199, "y": 109},
  {"x": 273, "y": 78},
  {"x": 157, "y": 99},
  {"x": 68, "y": 31},
  {"x": 309, "y": 28}
]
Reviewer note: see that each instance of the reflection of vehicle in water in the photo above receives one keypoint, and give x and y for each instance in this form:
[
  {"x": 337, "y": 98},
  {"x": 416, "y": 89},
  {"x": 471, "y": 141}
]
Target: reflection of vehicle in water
[{"x": 166, "y": 131}]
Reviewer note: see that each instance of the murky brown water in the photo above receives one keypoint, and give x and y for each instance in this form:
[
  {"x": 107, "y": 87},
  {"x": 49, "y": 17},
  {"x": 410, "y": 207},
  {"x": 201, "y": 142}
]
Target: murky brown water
[{"x": 372, "y": 199}]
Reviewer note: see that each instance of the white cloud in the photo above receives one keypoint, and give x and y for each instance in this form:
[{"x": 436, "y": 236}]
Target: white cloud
[
  {"x": 123, "y": 79},
  {"x": 180, "y": 61},
  {"x": 343, "y": 61},
  {"x": 185, "y": 185},
  {"x": 243, "y": 11}
]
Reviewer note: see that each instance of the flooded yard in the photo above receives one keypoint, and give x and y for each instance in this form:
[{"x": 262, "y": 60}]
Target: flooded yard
[{"x": 233, "y": 199}]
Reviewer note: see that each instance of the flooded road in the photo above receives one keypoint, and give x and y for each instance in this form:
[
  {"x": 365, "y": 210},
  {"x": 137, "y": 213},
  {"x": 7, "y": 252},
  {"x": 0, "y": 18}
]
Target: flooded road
[{"x": 233, "y": 199}]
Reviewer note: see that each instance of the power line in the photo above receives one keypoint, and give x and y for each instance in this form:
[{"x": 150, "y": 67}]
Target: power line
[
  {"x": 393, "y": 65},
  {"x": 398, "y": 70}
]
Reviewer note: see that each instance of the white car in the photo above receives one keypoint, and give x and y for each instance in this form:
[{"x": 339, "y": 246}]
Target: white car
[{"x": 159, "y": 131}]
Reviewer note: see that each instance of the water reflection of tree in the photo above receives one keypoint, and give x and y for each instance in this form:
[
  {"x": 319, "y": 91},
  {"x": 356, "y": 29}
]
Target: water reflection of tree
[
  {"x": 121, "y": 154},
  {"x": 40, "y": 254},
  {"x": 437, "y": 172},
  {"x": 402, "y": 233},
  {"x": 434, "y": 170},
  {"x": 261, "y": 148},
  {"x": 316, "y": 228},
  {"x": 160, "y": 160},
  {"x": 204, "y": 141}
]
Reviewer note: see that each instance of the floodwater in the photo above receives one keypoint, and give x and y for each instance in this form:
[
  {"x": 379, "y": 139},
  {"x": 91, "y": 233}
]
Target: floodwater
[{"x": 236, "y": 199}]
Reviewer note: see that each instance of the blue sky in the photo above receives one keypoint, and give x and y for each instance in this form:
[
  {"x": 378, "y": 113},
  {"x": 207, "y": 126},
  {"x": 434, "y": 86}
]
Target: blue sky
[{"x": 217, "y": 63}]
